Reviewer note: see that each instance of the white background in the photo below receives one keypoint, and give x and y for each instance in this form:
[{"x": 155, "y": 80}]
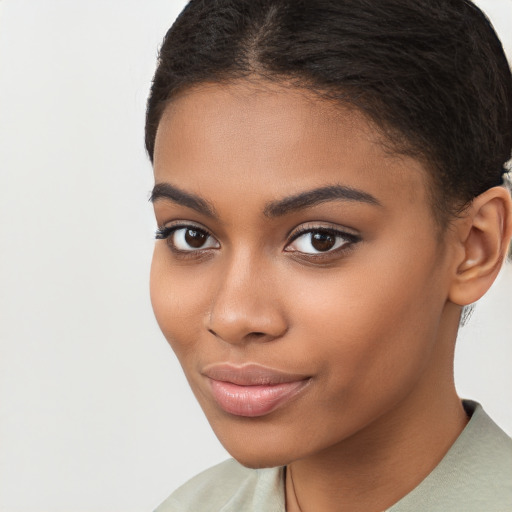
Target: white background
[{"x": 95, "y": 415}]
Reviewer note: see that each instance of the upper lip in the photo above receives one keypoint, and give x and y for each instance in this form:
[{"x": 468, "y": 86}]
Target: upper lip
[{"x": 250, "y": 374}]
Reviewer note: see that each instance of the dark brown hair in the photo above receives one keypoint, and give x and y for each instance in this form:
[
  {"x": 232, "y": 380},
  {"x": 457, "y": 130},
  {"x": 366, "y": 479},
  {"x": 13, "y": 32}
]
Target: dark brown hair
[{"x": 431, "y": 74}]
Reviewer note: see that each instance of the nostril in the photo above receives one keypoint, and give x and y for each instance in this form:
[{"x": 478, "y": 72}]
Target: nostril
[
  {"x": 248, "y": 336},
  {"x": 258, "y": 336}
]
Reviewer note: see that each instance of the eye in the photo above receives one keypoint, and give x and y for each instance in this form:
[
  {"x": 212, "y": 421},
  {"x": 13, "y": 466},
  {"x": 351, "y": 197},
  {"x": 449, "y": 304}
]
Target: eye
[
  {"x": 187, "y": 238},
  {"x": 320, "y": 240}
]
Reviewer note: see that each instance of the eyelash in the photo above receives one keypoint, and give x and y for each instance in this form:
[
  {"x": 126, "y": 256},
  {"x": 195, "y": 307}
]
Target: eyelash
[
  {"x": 349, "y": 238},
  {"x": 328, "y": 229},
  {"x": 166, "y": 232}
]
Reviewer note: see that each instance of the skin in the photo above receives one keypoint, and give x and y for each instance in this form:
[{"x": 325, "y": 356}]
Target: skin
[{"x": 372, "y": 323}]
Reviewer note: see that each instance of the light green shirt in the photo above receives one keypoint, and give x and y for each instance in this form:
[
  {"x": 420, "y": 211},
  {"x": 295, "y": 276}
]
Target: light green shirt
[{"x": 474, "y": 476}]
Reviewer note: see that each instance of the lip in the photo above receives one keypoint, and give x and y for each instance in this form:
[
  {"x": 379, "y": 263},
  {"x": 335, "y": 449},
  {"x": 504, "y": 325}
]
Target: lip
[{"x": 252, "y": 390}]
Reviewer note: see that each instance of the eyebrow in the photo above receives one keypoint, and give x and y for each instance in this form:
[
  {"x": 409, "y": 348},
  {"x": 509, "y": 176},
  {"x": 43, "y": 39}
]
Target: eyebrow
[
  {"x": 276, "y": 208},
  {"x": 316, "y": 196},
  {"x": 178, "y": 196}
]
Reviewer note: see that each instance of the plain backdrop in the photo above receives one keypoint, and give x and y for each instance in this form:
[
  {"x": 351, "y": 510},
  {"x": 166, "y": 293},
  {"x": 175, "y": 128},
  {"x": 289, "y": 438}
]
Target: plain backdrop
[{"x": 95, "y": 415}]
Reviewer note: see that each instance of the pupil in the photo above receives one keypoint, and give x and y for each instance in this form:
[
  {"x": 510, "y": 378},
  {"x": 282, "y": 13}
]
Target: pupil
[
  {"x": 323, "y": 241},
  {"x": 195, "y": 238}
]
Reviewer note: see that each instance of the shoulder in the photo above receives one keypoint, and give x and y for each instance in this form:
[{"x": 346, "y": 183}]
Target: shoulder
[
  {"x": 229, "y": 487},
  {"x": 475, "y": 474}
]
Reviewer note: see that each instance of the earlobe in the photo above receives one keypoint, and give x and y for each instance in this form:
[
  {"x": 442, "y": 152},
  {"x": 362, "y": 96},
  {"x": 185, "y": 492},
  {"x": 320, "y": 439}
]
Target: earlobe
[{"x": 485, "y": 239}]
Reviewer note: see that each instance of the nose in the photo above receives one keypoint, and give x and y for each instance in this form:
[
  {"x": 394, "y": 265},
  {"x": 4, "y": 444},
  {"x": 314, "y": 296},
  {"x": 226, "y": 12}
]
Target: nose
[{"x": 244, "y": 307}]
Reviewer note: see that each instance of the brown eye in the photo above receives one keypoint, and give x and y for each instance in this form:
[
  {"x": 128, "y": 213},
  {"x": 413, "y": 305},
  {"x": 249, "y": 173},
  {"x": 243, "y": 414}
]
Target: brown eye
[
  {"x": 317, "y": 241},
  {"x": 323, "y": 241},
  {"x": 187, "y": 238},
  {"x": 195, "y": 238}
]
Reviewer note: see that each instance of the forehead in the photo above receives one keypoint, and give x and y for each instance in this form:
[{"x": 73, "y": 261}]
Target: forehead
[{"x": 274, "y": 140}]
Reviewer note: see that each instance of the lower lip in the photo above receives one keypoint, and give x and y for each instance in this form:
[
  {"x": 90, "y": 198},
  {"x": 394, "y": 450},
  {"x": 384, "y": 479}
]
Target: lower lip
[{"x": 252, "y": 401}]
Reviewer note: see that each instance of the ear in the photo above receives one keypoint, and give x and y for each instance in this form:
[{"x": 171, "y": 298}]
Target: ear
[{"x": 484, "y": 234}]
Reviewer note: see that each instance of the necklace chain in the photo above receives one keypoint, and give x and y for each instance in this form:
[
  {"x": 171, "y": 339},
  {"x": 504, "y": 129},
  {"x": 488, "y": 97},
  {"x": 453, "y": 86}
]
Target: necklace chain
[{"x": 293, "y": 488}]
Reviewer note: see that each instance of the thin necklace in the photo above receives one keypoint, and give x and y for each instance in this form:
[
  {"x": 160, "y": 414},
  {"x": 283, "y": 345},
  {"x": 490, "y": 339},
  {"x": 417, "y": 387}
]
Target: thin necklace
[
  {"x": 289, "y": 469},
  {"x": 293, "y": 488}
]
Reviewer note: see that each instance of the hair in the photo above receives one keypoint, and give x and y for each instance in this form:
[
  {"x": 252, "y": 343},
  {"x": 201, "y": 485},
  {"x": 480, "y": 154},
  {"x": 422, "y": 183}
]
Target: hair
[{"x": 431, "y": 75}]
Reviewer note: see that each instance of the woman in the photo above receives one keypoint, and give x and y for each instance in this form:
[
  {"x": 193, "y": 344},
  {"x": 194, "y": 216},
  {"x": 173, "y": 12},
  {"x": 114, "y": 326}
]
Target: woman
[{"x": 329, "y": 195}]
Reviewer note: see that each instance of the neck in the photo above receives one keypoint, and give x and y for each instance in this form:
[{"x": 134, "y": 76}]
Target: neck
[{"x": 374, "y": 468}]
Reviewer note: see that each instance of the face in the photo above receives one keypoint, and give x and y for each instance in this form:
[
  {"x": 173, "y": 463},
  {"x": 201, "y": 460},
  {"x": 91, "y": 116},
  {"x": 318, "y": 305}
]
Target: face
[{"x": 298, "y": 273}]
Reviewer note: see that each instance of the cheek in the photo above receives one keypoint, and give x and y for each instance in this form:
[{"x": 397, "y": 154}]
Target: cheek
[
  {"x": 177, "y": 303},
  {"x": 370, "y": 328}
]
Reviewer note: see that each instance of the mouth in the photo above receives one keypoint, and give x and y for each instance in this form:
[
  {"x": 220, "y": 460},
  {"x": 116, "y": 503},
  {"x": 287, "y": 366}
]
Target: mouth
[{"x": 252, "y": 390}]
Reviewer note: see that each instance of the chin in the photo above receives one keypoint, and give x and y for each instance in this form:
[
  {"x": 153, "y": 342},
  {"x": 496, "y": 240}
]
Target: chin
[
  {"x": 258, "y": 450},
  {"x": 267, "y": 441},
  {"x": 259, "y": 460}
]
